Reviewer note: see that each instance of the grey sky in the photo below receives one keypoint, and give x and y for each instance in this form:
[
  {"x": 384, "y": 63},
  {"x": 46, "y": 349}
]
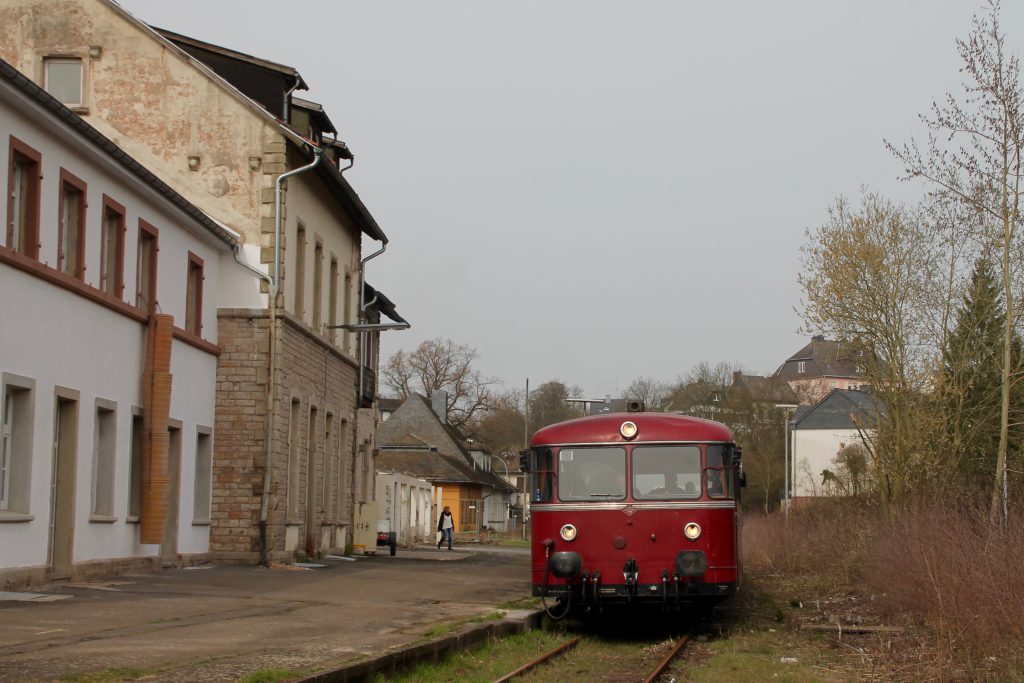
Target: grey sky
[{"x": 595, "y": 191}]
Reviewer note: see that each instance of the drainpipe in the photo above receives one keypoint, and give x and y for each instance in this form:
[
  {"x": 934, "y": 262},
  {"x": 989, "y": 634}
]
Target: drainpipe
[
  {"x": 275, "y": 288},
  {"x": 286, "y": 110},
  {"x": 363, "y": 305}
]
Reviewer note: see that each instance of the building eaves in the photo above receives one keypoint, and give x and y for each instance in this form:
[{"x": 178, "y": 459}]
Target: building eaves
[
  {"x": 28, "y": 88},
  {"x": 348, "y": 198},
  {"x": 283, "y": 69},
  {"x": 336, "y": 183},
  {"x": 317, "y": 113}
]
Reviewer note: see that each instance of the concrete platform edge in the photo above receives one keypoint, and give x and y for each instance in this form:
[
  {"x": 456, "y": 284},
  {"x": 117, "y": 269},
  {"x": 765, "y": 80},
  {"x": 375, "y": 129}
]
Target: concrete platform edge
[{"x": 397, "y": 661}]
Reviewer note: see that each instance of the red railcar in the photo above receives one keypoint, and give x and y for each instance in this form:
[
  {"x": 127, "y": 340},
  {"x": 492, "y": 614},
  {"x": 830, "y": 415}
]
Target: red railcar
[{"x": 634, "y": 508}]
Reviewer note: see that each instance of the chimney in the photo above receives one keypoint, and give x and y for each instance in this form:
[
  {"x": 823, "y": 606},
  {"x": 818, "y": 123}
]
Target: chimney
[{"x": 439, "y": 402}]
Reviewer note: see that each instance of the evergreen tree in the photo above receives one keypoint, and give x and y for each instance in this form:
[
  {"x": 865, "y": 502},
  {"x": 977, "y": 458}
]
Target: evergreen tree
[{"x": 971, "y": 384}]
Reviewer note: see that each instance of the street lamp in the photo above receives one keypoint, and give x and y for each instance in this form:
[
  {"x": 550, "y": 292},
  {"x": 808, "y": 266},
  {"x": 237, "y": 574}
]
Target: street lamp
[{"x": 786, "y": 408}]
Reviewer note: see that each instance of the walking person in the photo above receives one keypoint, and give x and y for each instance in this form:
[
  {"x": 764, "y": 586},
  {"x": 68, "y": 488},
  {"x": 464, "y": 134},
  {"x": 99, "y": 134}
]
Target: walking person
[{"x": 446, "y": 525}]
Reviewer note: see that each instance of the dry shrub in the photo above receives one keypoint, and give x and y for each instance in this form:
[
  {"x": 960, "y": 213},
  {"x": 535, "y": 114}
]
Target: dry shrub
[
  {"x": 827, "y": 539},
  {"x": 959, "y": 574}
]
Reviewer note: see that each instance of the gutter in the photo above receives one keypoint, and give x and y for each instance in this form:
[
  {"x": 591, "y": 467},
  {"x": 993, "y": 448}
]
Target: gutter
[{"x": 274, "y": 282}]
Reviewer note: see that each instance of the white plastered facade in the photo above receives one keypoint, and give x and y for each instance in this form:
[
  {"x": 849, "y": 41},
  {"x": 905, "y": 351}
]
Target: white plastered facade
[{"x": 60, "y": 338}]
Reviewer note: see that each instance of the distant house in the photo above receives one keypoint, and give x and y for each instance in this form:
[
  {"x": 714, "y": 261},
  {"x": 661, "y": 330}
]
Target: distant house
[
  {"x": 387, "y": 406},
  {"x": 757, "y": 389},
  {"x": 417, "y": 441},
  {"x": 822, "y": 366},
  {"x": 844, "y": 419}
]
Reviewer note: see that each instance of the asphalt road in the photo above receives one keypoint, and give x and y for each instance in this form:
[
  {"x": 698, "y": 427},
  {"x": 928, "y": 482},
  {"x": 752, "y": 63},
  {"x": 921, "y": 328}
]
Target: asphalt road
[{"x": 224, "y": 622}]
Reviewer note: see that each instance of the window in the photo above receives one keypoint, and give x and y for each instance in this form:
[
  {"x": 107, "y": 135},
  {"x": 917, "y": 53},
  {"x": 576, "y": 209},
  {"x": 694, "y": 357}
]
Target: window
[
  {"x": 104, "y": 449},
  {"x": 293, "y": 460},
  {"x": 24, "y": 168},
  {"x": 112, "y": 249},
  {"x": 318, "y": 276},
  {"x": 145, "y": 273},
  {"x": 541, "y": 475},
  {"x": 135, "y": 470},
  {"x": 344, "y": 466},
  {"x": 719, "y": 472},
  {"x": 16, "y": 414},
  {"x": 309, "y": 502},
  {"x": 592, "y": 473},
  {"x": 194, "y": 296},
  {"x": 332, "y": 299},
  {"x": 62, "y": 78},
  {"x": 329, "y": 455},
  {"x": 204, "y": 476},
  {"x": 801, "y": 366},
  {"x": 347, "y": 319},
  {"x": 71, "y": 218},
  {"x": 666, "y": 472},
  {"x": 300, "y": 270}
]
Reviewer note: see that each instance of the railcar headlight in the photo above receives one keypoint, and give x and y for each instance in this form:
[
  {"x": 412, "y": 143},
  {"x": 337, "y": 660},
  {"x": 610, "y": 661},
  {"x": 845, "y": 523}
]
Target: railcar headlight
[
  {"x": 692, "y": 531},
  {"x": 628, "y": 429},
  {"x": 568, "y": 533}
]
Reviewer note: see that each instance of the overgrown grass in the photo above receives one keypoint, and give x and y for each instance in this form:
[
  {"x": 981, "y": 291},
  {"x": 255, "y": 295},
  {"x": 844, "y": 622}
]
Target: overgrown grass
[
  {"x": 948, "y": 573},
  {"x": 448, "y": 627},
  {"x": 485, "y": 663}
]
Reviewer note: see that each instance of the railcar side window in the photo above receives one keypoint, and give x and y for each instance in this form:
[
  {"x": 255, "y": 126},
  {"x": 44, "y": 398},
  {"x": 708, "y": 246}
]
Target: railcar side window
[
  {"x": 719, "y": 472},
  {"x": 666, "y": 472},
  {"x": 592, "y": 473},
  {"x": 542, "y": 474}
]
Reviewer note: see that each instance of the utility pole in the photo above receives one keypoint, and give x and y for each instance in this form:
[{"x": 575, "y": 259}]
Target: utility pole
[{"x": 526, "y": 415}]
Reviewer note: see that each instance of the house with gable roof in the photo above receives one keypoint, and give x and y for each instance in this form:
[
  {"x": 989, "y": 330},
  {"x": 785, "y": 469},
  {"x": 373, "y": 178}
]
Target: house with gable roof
[
  {"x": 821, "y": 366},
  {"x": 416, "y": 440},
  {"x": 297, "y": 363},
  {"x": 844, "y": 418}
]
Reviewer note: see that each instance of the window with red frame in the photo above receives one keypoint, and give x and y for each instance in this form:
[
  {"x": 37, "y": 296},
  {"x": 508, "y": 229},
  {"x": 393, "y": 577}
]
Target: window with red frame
[
  {"x": 71, "y": 218},
  {"x": 112, "y": 249},
  {"x": 145, "y": 272},
  {"x": 194, "y": 296},
  {"x": 23, "y": 173}
]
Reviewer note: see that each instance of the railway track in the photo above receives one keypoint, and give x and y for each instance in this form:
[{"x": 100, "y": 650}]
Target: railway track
[{"x": 555, "y": 653}]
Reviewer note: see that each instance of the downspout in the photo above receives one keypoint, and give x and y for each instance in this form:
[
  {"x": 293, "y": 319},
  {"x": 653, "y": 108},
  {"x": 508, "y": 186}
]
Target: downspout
[
  {"x": 286, "y": 110},
  {"x": 363, "y": 305},
  {"x": 275, "y": 288}
]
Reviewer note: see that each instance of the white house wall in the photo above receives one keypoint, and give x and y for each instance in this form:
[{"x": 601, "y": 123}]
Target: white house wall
[
  {"x": 404, "y": 506},
  {"x": 59, "y": 338},
  {"x": 814, "y": 450}
]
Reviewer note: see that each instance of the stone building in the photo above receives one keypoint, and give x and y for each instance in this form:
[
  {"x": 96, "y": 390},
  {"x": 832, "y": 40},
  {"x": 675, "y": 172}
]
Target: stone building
[{"x": 224, "y": 129}]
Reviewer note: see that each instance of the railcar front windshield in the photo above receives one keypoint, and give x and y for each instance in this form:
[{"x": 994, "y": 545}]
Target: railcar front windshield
[
  {"x": 597, "y": 473},
  {"x": 666, "y": 472}
]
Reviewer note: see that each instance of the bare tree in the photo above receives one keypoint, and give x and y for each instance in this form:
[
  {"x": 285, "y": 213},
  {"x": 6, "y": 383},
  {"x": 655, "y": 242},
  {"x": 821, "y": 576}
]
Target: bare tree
[
  {"x": 652, "y": 392},
  {"x": 866, "y": 281},
  {"x": 703, "y": 389},
  {"x": 441, "y": 364},
  {"x": 974, "y": 154},
  {"x": 548, "y": 404},
  {"x": 501, "y": 427}
]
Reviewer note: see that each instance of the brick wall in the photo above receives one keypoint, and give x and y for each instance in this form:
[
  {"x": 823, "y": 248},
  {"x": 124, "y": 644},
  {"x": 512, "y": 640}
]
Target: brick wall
[{"x": 313, "y": 373}]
